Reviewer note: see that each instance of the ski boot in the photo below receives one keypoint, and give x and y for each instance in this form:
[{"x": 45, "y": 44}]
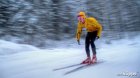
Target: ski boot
[
  {"x": 87, "y": 61},
  {"x": 94, "y": 59}
]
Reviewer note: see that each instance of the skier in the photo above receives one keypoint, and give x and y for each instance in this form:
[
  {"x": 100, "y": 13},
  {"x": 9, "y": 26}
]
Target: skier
[{"x": 94, "y": 30}]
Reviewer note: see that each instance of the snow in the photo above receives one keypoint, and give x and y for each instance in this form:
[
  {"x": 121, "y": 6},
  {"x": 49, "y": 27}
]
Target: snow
[
  {"x": 119, "y": 60},
  {"x": 7, "y": 47}
]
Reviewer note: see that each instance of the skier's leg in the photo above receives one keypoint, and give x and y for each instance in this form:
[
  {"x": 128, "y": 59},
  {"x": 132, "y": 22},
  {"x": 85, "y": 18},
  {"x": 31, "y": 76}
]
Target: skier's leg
[
  {"x": 93, "y": 47},
  {"x": 94, "y": 59},
  {"x": 87, "y": 43}
]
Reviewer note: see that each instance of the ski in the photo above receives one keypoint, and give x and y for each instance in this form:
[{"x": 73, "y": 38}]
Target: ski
[
  {"x": 73, "y": 65},
  {"x": 82, "y": 67}
]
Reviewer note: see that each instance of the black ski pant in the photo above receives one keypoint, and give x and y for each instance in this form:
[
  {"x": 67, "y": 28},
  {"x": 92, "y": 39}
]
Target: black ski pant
[{"x": 90, "y": 38}]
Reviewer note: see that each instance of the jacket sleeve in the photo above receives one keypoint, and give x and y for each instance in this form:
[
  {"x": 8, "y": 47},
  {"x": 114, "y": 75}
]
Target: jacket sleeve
[
  {"x": 99, "y": 31},
  {"x": 79, "y": 31},
  {"x": 97, "y": 25}
]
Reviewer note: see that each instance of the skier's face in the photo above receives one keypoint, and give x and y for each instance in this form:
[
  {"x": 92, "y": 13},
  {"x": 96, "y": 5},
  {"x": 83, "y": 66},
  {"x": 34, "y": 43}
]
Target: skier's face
[{"x": 81, "y": 19}]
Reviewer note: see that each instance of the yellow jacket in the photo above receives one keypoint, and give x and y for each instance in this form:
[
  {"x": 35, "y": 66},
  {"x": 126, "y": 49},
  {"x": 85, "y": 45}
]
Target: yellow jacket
[{"x": 91, "y": 24}]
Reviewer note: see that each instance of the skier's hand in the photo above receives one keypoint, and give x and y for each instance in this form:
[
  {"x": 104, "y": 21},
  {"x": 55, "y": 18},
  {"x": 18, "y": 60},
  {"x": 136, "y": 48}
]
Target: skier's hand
[
  {"x": 78, "y": 42},
  {"x": 97, "y": 37}
]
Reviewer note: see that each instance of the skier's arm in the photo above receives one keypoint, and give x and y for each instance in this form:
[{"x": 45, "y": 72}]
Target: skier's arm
[
  {"x": 79, "y": 31},
  {"x": 98, "y": 26},
  {"x": 99, "y": 30}
]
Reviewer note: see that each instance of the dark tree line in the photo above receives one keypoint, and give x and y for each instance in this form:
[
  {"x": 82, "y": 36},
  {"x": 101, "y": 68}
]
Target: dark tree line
[{"x": 36, "y": 21}]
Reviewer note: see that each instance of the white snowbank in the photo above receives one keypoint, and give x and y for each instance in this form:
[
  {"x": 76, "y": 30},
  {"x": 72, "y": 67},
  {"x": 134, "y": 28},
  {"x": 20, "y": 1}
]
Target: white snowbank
[{"x": 7, "y": 47}]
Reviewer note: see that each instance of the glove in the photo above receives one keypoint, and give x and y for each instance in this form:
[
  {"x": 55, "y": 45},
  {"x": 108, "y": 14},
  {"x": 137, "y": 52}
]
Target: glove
[
  {"x": 97, "y": 37},
  {"x": 78, "y": 42}
]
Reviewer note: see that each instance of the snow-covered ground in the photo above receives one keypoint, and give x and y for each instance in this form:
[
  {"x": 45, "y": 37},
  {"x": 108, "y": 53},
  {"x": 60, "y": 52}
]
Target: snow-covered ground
[{"x": 120, "y": 59}]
